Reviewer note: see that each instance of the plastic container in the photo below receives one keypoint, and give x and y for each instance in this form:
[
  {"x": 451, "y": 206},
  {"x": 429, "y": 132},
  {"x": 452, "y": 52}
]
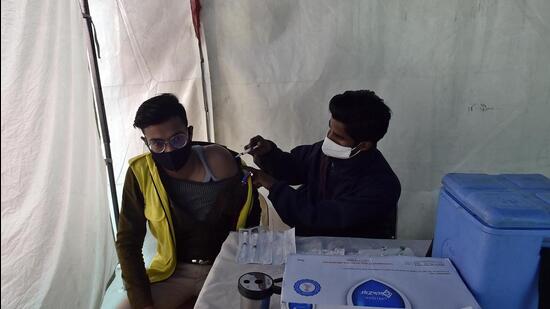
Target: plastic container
[{"x": 493, "y": 227}]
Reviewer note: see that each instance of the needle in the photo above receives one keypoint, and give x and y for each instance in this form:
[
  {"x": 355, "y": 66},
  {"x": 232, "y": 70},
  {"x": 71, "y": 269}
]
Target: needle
[{"x": 246, "y": 151}]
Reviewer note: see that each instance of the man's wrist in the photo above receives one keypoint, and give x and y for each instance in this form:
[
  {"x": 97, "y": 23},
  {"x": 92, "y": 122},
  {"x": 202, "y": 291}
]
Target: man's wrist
[
  {"x": 272, "y": 147},
  {"x": 267, "y": 181},
  {"x": 269, "y": 184}
]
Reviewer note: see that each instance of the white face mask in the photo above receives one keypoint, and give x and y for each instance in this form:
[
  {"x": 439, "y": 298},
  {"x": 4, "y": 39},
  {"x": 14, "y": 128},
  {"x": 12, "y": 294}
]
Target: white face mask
[{"x": 331, "y": 149}]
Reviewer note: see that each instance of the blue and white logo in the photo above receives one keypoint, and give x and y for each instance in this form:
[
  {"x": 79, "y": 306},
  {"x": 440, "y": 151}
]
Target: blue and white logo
[
  {"x": 307, "y": 287},
  {"x": 300, "y": 306},
  {"x": 375, "y": 293}
]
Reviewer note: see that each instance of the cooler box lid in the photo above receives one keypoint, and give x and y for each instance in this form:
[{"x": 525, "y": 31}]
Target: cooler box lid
[
  {"x": 545, "y": 196},
  {"x": 506, "y": 201}
]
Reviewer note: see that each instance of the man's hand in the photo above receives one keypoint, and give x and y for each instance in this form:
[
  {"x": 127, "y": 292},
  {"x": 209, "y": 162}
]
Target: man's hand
[
  {"x": 259, "y": 145},
  {"x": 261, "y": 178}
]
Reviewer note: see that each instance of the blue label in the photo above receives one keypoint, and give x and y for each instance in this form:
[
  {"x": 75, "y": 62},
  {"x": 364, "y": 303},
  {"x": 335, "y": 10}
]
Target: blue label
[
  {"x": 299, "y": 306},
  {"x": 307, "y": 287},
  {"x": 377, "y": 294}
]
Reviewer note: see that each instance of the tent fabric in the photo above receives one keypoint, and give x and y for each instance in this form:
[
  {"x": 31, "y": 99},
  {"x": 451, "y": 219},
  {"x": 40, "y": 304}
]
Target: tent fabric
[
  {"x": 467, "y": 80},
  {"x": 147, "y": 48},
  {"x": 57, "y": 244}
]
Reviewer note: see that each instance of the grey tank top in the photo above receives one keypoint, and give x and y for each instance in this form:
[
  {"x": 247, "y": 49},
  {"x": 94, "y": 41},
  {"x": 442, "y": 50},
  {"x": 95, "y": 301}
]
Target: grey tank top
[{"x": 195, "y": 198}]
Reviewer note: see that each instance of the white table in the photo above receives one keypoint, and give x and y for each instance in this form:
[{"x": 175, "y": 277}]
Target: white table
[{"x": 220, "y": 288}]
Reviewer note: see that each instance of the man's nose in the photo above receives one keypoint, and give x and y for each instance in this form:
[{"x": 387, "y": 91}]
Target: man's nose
[{"x": 169, "y": 148}]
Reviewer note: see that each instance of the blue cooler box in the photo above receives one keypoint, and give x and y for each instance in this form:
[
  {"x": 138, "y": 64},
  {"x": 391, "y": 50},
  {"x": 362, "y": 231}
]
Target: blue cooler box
[{"x": 493, "y": 227}]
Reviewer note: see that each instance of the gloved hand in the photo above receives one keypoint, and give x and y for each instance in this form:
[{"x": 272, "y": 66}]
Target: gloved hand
[
  {"x": 260, "y": 178},
  {"x": 259, "y": 146}
]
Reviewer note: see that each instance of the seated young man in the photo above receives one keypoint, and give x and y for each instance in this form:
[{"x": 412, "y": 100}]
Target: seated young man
[
  {"x": 191, "y": 196},
  {"x": 347, "y": 187}
]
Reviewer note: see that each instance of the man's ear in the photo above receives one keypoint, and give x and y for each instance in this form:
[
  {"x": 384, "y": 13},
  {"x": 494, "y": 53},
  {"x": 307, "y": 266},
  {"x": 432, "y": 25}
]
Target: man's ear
[
  {"x": 190, "y": 132},
  {"x": 365, "y": 146},
  {"x": 361, "y": 147}
]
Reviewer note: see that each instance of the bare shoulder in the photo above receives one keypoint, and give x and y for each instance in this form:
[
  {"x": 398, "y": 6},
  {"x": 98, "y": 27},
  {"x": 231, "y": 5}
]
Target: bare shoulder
[{"x": 221, "y": 161}]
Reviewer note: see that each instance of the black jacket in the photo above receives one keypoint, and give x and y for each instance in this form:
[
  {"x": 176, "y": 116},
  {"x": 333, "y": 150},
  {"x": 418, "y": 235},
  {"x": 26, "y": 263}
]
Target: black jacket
[{"x": 358, "y": 199}]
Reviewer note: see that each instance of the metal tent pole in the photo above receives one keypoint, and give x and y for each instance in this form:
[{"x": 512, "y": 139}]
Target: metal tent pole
[
  {"x": 205, "y": 96},
  {"x": 100, "y": 103},
  {"x": 195, "y": 14}
]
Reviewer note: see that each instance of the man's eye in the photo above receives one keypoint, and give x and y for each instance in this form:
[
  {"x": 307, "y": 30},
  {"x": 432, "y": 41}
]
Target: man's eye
[
  {"x": 156, "y": 143},
  {"x": 178, "y": 139}
]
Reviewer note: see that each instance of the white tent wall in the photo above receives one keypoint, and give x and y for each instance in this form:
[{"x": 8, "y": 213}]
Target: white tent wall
[
  {"x": 57, "y": 244},
  {"x": 468, "y": 82},
  {"x": 147, "y": 48}
]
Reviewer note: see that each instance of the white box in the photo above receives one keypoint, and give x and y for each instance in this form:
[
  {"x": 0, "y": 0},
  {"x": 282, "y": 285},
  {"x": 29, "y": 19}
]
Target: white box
[{"x": 330, "y": 282}]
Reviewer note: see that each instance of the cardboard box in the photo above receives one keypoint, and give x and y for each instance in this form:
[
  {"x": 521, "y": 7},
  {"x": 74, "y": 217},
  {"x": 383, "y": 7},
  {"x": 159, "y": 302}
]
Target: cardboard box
[{"x": 330, "y": 282}]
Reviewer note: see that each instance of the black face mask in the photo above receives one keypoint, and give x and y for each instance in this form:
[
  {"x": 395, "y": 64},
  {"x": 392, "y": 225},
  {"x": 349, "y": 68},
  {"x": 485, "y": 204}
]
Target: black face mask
[{"x": 173, "y": 160}]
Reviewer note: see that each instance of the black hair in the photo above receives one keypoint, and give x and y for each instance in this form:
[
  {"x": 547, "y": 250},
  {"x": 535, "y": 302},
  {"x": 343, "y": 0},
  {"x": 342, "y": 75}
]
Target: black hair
[
  {"x": 364, "y": 114},
  {"x": 159, "y": 109}
]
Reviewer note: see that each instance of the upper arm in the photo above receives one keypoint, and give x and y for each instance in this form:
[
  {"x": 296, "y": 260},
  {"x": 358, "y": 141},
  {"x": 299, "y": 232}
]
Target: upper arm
[
  {"x": 221, "y": 162},
  {"x": 129, "y": 242},
  {"x": 132, "y": 221}
]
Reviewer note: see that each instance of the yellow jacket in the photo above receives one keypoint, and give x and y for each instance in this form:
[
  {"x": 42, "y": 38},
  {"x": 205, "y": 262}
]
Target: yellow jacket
[{"x": 157, "y": 212}]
